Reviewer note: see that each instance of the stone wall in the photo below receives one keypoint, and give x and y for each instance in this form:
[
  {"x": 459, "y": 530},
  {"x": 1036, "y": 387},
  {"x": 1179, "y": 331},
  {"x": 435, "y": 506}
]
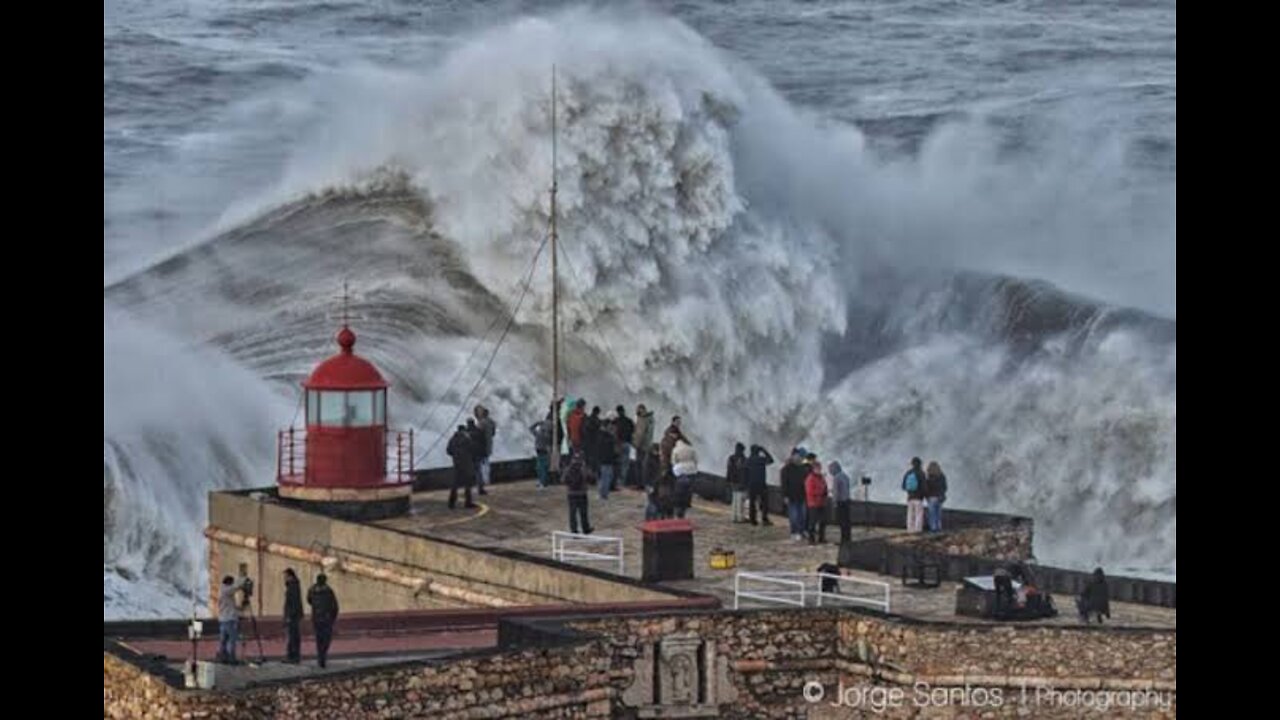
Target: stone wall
[
  {"x": 771, "y": 656},
  {"x": 536, "y": 683},
  {"x": 998, "y": 542},
  {"x": 751, "y": 664}
]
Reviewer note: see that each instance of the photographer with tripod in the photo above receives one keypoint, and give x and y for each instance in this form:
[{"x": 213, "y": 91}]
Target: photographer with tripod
[{"x": 229, "y": 617}]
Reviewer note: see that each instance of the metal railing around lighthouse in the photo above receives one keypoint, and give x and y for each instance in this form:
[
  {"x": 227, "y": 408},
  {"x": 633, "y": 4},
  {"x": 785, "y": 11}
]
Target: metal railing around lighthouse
[{"x": 291, "y": 456}]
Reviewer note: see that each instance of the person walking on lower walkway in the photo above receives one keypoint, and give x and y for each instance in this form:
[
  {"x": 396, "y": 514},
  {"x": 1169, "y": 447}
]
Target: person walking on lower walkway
[
  {"x": 324, "y": 613},
  {"x": 292, "y": 617}
]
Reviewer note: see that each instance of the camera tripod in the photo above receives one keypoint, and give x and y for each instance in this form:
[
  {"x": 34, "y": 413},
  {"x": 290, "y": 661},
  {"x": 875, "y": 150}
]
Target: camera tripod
[{"x": 253, "y": 622}]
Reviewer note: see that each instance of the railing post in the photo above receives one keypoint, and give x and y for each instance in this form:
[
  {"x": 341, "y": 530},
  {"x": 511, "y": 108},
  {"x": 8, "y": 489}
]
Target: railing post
[
  {"x": 399, "y": 457},
  {"x": 292, "y": 450},
  {"x": 279, "y": 449},
  {"x": 411, "y": 458}
]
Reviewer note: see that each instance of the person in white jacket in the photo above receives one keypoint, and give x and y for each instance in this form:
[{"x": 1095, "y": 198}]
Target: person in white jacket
[
  {"x": 229, "y": 618},
  {"x": 684, "y": 465}
]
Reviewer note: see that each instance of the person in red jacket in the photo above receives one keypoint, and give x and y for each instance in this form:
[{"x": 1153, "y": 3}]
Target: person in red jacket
[
  {"x": 574, "y": 423},
  {"x": 815, "y": 500}
]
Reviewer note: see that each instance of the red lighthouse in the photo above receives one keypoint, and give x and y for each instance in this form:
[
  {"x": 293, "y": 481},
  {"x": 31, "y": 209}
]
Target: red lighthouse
[{"x": 348, "y": 463}]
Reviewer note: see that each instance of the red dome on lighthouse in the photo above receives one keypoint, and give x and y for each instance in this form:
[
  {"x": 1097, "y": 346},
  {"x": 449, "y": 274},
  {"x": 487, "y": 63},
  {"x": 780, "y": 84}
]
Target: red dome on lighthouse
[
  {"x": 348, "y": 462},
  {"x": 346, "y": 370}
]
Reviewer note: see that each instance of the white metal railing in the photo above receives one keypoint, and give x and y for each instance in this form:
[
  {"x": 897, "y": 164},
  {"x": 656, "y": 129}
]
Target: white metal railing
[
  {"x": 563, "y": 542},
  {"x": 797, "y": 591},
  {"x": 793, "y": 592}
]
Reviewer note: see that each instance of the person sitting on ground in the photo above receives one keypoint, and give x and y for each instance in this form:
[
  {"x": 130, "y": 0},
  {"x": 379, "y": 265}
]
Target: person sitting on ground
[
  {"x": 1095, "y": 599},
  {"x": 829, "y": 584}
]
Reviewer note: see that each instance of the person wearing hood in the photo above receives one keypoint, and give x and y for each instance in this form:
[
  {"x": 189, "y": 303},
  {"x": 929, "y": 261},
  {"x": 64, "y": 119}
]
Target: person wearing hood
[
  {"x": 757, "y": 483},
  {"x": 736, "y": 475},
  {"x": 840, "y": 494},
  {"x": 684, "y": 465}
]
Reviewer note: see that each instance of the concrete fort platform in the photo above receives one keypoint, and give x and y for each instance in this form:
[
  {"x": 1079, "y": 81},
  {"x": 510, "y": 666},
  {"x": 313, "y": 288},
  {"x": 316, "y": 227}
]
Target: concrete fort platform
[{"x": 463, "y": 613}]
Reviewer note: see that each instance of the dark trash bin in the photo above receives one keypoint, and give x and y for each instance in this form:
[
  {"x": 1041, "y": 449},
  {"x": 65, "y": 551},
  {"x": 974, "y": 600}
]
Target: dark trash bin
[{"x": 668, "y": 550}]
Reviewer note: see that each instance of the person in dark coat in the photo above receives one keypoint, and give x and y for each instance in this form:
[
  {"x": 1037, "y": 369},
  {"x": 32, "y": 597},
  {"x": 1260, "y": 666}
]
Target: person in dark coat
[
  {"x": 1096, "y": 598},
  {"x": 735, "y": 474},
  {"x": 757, "y": 484},
  {"x": 460, "y": 448},
  {"x": 576, "y": 478},
  {"x": 935, "y": 494},
  {"x": 292, "y": 616},
  {"x": 625, "y": 430},
  {"x": 607, "y": 457},
  {"x": 324, "y": 613},
  {"x": 592, "y": 430},
  {"x": 794, "y": 473}
]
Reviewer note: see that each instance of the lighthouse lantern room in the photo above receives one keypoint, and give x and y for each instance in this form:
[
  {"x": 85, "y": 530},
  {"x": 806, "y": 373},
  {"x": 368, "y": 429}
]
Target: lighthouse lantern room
[{"x": 347, "y": 463}]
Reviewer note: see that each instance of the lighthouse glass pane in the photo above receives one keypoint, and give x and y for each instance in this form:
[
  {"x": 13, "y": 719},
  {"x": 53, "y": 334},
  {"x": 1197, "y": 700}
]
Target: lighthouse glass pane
[
  {"x": 360, "y": 409},
  {"x": 313, "y": 407},
  {"x": 333, "y": 407},
  {"x": 379, "y": 407}
]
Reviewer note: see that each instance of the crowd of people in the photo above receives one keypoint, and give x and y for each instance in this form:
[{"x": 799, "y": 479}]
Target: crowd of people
[
  {"x": 609, "y": 450},
  {"x": 235, "y": 604}
]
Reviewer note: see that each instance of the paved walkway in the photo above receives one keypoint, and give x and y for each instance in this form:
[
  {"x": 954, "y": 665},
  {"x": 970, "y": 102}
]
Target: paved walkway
[{"x": 517, "y": 516}]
